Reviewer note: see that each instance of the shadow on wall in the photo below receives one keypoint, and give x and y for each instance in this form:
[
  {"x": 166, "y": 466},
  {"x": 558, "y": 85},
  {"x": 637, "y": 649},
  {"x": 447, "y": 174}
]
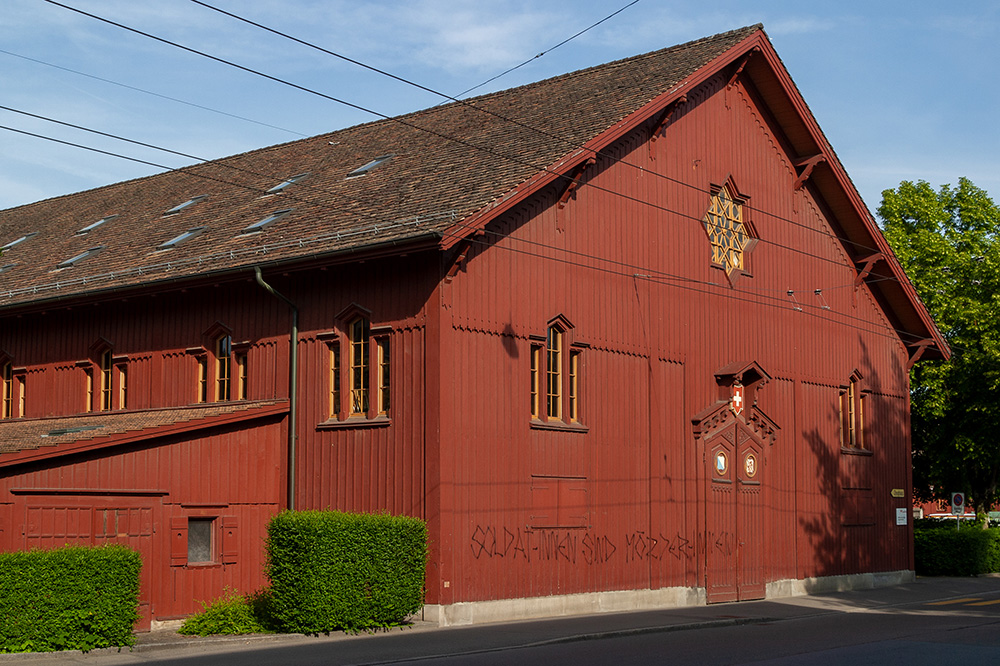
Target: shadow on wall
[{"x": 850, "y": 516}]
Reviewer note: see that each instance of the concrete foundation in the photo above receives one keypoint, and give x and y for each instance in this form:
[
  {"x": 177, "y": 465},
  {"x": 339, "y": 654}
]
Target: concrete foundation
[{"x": 506, "y": 610}]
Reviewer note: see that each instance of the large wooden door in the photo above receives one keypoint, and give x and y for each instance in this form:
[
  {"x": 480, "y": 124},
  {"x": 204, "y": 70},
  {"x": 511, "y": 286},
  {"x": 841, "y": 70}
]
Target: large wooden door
[
  {"x": 53, "y": 522},
  {"x": 734, "y": 538}
]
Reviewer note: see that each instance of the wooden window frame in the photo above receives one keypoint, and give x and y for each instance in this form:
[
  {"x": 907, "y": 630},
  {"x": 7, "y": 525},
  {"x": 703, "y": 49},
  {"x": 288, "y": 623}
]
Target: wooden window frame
[
  {"x": 556, "y": 392},
  {"x": 359, "y": 365},
  {"x": 20, "y": 386},
  {"x": 121, "y": 371},
  {"x": 536, "y": 386},
  {"x": 223, "y": 349},
  {"x": 105, "y": 378},
  {"x": 851, "y": 405},
  {"x": 106, "y": 370},
  {"x": 7, "y": 391},
  {"x": 201, "y": 385},
  {"x": 224, "y": 534},
  {"x": 554, "y": 373},
  {"x": 240, "y": 359},
  {"x": 359, "y": 372},
  {"x": 726, "y": 218}
]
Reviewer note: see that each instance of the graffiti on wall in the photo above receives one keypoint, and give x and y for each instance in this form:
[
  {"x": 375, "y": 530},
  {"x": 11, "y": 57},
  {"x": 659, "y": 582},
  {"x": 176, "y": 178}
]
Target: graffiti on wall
[{"x": 575, "y": 546}]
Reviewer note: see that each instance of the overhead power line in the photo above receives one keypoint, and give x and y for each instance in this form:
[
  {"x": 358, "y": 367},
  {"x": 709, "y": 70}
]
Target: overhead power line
[
  {"x": 469, "y": 104},
  {"x": 154, "y": 94},
  {"x": 548, "y": 50},
  {"x": 440, "y": 135},
  {"x": 486, "y": 149},
  {"x": 577, "y": 259}
]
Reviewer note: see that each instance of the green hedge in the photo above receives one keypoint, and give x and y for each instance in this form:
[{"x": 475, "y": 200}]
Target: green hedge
[
  {"x": 946, "y": 551},
  {"x": 332, "y": 570},
  {"x": 72, "y": 598}
]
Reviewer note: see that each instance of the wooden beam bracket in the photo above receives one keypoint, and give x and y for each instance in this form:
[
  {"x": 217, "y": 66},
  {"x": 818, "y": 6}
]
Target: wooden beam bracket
[
  {"x": 574, "y": 180},
  {"x": 807, "y": 165},
  {"x": 918, "y": 350},
  {"x": 458, "y": 261},
  {"x": 665, "y": 116},
  {"x": 866, "y": 265}
]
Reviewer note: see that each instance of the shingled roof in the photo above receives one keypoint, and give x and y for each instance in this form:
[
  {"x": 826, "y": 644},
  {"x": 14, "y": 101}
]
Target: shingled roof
[
  {"x": 36, "y": 438},
  {"x": 447, "y": 163}
]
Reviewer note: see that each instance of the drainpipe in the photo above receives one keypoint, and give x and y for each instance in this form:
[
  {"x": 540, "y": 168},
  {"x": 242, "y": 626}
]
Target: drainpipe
[{"x": 293, "y": 384}]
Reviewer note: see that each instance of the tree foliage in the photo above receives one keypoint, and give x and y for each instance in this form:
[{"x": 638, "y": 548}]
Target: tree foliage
[{"x": 947, "y": 241}]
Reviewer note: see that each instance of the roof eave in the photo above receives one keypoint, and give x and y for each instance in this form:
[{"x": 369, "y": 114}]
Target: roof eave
[
  {"x": 564, "y": 166},
  {"x": 34, "y": 455}
]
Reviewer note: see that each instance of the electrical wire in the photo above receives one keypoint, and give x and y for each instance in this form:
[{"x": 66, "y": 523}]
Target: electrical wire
[
  {"x": 407, "y": 123},
  {"x": 548, "y": 50},
  {"x": 576, "y": 259},
  {"x": 353, "y": 106},
  {"x": 154, "y": 94},
  {"x": 545, "y": 133},
  {"x": 363, "y": 201}
]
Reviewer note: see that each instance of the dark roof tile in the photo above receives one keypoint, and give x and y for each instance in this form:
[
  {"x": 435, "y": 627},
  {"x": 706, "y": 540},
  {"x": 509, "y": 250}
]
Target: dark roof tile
[{"x": 448, "y": 162}]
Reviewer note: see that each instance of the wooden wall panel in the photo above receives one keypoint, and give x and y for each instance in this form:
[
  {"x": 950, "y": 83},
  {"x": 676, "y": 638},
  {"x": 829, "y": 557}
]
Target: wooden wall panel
[
  {"x": 229, "y": 472},
  {"x": 631, "y": 273}
]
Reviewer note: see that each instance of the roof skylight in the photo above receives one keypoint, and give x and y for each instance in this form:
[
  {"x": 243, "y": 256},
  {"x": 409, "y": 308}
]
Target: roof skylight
[
  {"x": 72, "y": 261},
  {"x": 362, "y": 170},
  {"x": 181, "y": 238},
  {"x": 90, "y": 227},
  {"x": 6, "y": 267},
  {"x": 291, "y": 181},
  {"x": 179, "y": 207},
  {"x": 270, "y": 219},
  {"x": 18, "y": 241}
]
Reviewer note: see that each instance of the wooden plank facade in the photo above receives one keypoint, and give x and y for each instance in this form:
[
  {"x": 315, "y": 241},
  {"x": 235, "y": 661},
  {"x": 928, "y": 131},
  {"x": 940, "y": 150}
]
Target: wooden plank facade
[{"x": 671, "y": 365}]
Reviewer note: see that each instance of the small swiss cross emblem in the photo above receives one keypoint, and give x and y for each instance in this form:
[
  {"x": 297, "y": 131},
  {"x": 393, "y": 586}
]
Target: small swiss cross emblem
[{"x": 736, "y": 402}]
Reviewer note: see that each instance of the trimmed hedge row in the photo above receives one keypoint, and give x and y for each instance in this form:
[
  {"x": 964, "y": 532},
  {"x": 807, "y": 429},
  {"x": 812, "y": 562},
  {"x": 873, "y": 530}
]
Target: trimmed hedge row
[
  {"x": 946, "y": 551},
  {"x": 72, "y": 598},
  {"x": 339, "y": 571}
]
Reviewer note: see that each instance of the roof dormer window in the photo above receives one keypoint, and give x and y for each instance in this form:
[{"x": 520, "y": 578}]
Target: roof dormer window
[
  {"x": 181, "y": 238},
  {"x": 73, "y": 261},
  {"x": 267, "y": 221},
  {"x": 190, "y": 202},
  {"x": 291, "y": 181},
  {"x": 362, "y": 170},
  {"x": 90, "y": 227},
  {"x": 18, "y": 241}
]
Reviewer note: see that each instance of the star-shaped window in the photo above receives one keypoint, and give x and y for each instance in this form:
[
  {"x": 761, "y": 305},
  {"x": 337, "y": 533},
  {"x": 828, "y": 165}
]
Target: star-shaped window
[{"x": 729, "y": 234}]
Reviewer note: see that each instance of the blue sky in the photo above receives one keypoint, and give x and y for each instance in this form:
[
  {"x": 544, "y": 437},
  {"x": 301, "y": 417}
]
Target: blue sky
[{"x": 903, "y": 90}]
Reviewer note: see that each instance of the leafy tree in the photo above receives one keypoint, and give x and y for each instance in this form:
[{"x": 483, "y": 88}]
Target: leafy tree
[{"x": 948, "y": 243}]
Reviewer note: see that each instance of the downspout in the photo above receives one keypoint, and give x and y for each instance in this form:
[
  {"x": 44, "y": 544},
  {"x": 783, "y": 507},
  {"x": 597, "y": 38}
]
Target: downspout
[{"x": 293, "y": 385}]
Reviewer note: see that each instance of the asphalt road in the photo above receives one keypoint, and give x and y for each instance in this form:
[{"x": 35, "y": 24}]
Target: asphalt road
[{"x": 935, "y": 621}]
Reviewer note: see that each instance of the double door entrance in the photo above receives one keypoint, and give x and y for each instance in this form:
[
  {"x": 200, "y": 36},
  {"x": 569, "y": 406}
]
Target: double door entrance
[{"x": 734, "y": 534}]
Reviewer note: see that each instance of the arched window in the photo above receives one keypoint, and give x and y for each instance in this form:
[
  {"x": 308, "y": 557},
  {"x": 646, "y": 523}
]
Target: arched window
[
  {"x": 555, "y": 367},
  {"x": 360, "y": 369},
  {"x": 852, "y": 414},
  {"x": 223, "y": 368},
  {"x": 7, "y": 397}
]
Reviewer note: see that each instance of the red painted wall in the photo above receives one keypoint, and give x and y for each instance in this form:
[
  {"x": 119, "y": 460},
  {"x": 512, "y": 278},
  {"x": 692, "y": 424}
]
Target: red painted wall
[
  {"x": 619, "y": 502},
  {"x": 635, "y": 282},
  {"x": 133, "y": 495}
]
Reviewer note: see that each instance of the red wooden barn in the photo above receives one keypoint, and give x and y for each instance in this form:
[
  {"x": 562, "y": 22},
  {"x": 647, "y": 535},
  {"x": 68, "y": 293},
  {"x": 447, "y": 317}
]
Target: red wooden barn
[{"x": 624, "y": 338}]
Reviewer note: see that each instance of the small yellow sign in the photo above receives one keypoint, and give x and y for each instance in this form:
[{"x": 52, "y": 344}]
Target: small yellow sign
[{"x": 898, "y": 492}]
